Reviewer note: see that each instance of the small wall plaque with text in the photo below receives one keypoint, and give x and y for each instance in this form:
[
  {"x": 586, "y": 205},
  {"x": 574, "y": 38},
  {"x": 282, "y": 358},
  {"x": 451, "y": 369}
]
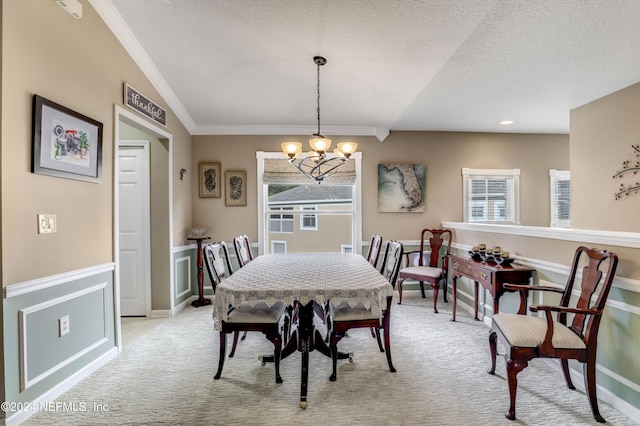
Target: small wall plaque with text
[{"x": 143, "y": 105}]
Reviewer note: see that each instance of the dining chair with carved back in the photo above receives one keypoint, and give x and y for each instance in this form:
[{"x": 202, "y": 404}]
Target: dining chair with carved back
[
  {"x": 242, "y": 248},
  {"x": 526, "y": 337},
  {"x": 343, "y": 317},
  {"x": 374, "y": 249},
  {"x": 269, "y": 320}
]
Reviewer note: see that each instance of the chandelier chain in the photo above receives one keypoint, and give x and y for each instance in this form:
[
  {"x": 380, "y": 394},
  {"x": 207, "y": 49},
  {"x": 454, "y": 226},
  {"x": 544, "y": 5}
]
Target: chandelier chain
[{"x": 318, "y": 99}]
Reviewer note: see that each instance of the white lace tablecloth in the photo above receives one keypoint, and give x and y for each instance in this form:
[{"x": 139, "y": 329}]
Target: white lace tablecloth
[{"x": 303, "y": 277}]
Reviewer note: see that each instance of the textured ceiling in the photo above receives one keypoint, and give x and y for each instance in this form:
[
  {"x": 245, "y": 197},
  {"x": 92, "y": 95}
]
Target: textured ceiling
[{"x": 246, "y": 67}]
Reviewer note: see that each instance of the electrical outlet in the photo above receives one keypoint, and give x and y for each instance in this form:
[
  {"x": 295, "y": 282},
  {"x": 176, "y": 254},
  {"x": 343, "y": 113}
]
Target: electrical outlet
[
  {"x": 63, "y": 325},
  {"x": 47, "y": 223}
]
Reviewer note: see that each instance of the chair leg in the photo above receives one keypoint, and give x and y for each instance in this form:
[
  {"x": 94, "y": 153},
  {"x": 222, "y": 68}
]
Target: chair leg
[
  {"x": 223, "y": 348},
  {"x": 387, "y": 342},
  {"x": 399, "y": 284},
  {"x": 435, "y": 298},
  {"x": 422, "y": 289},
  {"x": 589, "y": 372},
  {"x": 373, "y": 332},
  {"x": 333, "y": 345},
  {"x": 513, "y": 368},
  {"x": 277, "y": 349},
  {"x": 244, "y": 336},
  {"x": 493, "y": 347},
  {"x": 444, "y": 292},
  {"x": 377, "y": 335},
  {"x": 567, "y": 375},
  {"x": 235, "y": 343}
]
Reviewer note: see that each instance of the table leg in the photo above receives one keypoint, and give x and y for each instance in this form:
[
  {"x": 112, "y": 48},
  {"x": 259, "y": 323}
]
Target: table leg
[
  {"x": 305, "y": 339},
  {"x": 201, "y": 301},
  {"x": 475, "y": 299},
  {"x": 454, "y": 295}
]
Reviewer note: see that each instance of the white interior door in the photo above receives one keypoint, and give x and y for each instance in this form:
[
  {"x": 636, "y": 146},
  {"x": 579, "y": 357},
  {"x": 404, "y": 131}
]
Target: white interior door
[{"x": 134, "y": 228}]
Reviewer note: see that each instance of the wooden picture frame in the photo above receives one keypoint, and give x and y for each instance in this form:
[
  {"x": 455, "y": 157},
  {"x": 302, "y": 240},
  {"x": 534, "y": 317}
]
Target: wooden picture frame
[
  {"x": 209, "y": 180},
  {"x": 65, "y": 143},
  {"x": 235, "y": 188}
]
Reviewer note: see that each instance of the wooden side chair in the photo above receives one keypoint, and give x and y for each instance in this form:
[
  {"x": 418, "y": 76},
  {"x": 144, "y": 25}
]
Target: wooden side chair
[
  {"x": 433, "y": 269},
  {"x": 244, "y": 255},
  {"x": 268, "y": 320},
  {"x": 526, "y": 337},
  {"x": 242, "y": 247},
  {"x": 374, "y": 249},
  {"x": 342, "y": 317}
]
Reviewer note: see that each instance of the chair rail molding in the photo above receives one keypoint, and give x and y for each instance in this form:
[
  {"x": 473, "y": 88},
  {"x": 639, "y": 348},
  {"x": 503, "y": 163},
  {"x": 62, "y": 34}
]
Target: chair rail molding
[
  {"x": 616, "y": 238},
  {"x": 54, "y": 280}
]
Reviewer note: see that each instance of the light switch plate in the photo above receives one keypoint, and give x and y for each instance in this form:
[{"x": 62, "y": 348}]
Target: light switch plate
[{"x": 47, "y": 224}]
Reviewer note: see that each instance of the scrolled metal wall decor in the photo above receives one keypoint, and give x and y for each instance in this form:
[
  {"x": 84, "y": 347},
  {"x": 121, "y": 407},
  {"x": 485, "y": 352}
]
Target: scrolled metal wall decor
[{"x": 628, "y": 189}]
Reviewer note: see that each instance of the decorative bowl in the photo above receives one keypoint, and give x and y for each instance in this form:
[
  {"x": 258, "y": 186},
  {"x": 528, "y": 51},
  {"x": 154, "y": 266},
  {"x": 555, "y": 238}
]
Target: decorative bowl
[{"x": 198, "y": 232}]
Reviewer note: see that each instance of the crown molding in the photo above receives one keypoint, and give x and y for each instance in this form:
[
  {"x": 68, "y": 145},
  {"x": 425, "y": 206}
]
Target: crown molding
[{"x": 120, "y": 29}]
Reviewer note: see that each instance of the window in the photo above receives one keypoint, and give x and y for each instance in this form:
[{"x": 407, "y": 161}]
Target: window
[
  {"x": 560, "y": 190},
  {"x": 309, "y": 222},
  {"x": 491, "y": 195},
  {"x": 336, "y": 215},
  {"x": 278, "y": 247},
  {"x": 281, "y": 222}
]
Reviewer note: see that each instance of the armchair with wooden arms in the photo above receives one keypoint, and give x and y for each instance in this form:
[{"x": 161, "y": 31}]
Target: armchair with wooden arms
[
  {"x": 435, "y": 270},
  {"x": 527, "y": 337}
]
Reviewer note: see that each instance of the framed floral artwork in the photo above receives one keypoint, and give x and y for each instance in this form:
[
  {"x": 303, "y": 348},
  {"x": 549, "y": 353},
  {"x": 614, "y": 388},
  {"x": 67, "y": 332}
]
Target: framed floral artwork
[
  {"x": 235, "y": 188},
  {"x": 65, "y": 143},
  {"x": 209, "y": 180}
]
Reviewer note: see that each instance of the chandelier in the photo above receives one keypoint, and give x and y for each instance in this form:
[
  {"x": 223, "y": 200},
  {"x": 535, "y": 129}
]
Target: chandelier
[{"x": 317, "y": 165}]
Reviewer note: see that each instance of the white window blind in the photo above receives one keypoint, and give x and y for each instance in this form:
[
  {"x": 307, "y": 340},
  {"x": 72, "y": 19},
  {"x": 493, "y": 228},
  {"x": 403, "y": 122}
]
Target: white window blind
[
  {"x": 491, "y": 195},
  {"x": 560, "y": 190}
]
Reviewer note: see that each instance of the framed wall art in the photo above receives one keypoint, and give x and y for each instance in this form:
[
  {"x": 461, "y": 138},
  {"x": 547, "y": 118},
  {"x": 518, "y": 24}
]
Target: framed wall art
[
  {"x": 401, "y": 188},
  {"x": 65, "y": 143},
  {"x": 209, "y": 180},
  {"x": 235, "y": 188}
]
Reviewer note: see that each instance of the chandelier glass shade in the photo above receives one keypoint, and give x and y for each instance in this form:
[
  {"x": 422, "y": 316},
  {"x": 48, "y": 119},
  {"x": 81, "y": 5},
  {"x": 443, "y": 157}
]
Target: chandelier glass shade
[{"x": 317, "y": 165}]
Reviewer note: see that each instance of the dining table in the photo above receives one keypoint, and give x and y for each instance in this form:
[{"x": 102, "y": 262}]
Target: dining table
[{"x": 304, "y": 280}]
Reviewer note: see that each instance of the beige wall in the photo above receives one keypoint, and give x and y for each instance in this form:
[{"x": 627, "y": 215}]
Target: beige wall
[
  {"x": 80, "y": 64},
  {"x": 602, "y": 133},
  {"x": 445, "y": 154}
]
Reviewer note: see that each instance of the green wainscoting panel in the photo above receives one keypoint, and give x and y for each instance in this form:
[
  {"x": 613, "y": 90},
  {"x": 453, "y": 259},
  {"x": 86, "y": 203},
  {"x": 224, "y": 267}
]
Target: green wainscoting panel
[
  {"x": 37, "y": 357},
  {"x": 618, "y": 368},
  {"x": 185, "y": 282}
]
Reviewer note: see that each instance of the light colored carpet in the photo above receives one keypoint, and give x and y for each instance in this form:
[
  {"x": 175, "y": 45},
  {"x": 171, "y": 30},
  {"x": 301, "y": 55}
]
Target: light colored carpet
[{"x": 165, "y": 377}]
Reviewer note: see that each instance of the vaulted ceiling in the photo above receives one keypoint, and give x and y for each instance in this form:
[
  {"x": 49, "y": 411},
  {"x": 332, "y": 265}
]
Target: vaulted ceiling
[{"x": 246, "y": 67}]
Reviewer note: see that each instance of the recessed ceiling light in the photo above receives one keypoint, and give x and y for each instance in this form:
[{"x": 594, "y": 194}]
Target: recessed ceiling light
[{"x": 506, "y": 122}]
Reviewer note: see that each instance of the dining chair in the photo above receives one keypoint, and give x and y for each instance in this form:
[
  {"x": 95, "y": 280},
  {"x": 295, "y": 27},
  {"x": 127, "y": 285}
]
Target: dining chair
[
  {"x": 374, "y": 249},
  {"x": 343, "y": 317},
  {"x": 431, "y": 266},
  {"x": 269, "y": 320},
  {"x": 244, "y": 255},
  {"x": 242, "y": 247},
  {"x": 526, "y": 337}
]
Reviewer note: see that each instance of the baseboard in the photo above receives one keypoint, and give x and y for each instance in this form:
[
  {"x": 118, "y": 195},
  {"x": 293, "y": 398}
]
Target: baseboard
[
  {"x": 61, "y": 388},
  {"x": 160, "y": 313}
]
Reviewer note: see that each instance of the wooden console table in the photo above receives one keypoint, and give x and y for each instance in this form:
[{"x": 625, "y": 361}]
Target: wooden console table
[
  {"x": 200, "y": 301},
  {"x": 490, "y": 275}
]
